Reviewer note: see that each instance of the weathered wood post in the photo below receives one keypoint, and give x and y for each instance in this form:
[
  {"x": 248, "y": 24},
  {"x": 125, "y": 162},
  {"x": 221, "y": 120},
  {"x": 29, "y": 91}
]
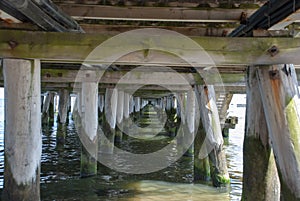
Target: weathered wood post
[
  {"x": 48, "y": 108},
  {"x": 89, "y": 128},
  {"x": 182, "y": 128},
  {"x": 260, "y": 178},
  {"x": 101, "y": 103},
  {"x": 126, "y": 113},
  {"x": 75, "y": 108},
  {"x": 201, "y": 162},
  {"x": 224, "y": 101},
  {"x": 137, "y": 108},
  {"x": 111, "y": 100},
  {"x": 23, "y": 138},
  {"x": 69, "y": 107},
  {"x": 51, "y": 108},
  {"x": 131, "y": 105},
  {"x": 190, "y": 119},
  {"x": 168, "y": 104},
  {"x": 42, "y": 101},
  {"x": 62, "y": 116},
  {"x": 279, "y": 91},
  {"x": 213, "y": 144},
  {"x": 120, "y": 110},
  {"x": 101, "y": 116}
]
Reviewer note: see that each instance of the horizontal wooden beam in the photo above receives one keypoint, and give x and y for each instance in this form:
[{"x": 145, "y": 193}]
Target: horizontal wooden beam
[
  {"x": 133, "y": 77},
  {"x": 188, "y": 30},
  {"x": 164, "y": 14},
  {"x": 74, "y": 47}
]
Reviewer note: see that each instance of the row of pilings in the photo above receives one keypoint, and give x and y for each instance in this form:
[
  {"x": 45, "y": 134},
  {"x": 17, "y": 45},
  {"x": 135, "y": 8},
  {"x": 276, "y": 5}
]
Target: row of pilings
[
  {"x": 118, "y": 113},
  {"x": 272, "y": 131}
]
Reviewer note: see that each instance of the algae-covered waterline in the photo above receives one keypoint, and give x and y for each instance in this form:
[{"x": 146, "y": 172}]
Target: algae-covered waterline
[{"x": 60, "y": 170}]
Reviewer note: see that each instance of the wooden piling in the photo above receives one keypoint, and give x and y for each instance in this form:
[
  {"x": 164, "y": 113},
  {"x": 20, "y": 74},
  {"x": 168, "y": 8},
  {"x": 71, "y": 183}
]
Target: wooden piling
[
  {"x": 279, "y": 91},
  {"x": 126, "y": 114},
  {"x": 260, "y": 178},
  {"x": 213, "y": 141},
  {"x": 201, "y": 164},
  {"x": 88, "y": 130},
  {"x": 61, "y": 133},
  {"x": 48, "y": 109},
  {"x": 190, "y": 119},
  {"x": 120, "y": 110},
  {"x": 101, "y": 103},
  {"x": 110, "y": 108},
  {"x": 23, "y": 138},
  {"x": 137, "y": 104},
  {"x": 63, "y": 106},
  {"x": 51, "y": 109}
]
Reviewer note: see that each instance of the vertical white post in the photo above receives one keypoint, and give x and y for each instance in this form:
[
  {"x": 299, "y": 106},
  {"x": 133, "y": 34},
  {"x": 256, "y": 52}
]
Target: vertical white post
[
  {"x": 63, "y": 105},
  {"x": 23, "y": 139},
  {"x": 89, "y": 127},
  {"x": 131, "y": 105},
  {"x": 126, "y": 105},
  {"x": 137, "y": 104},
  {"x": 111, "y": 101},
  {"x": 120, "y": 110}
]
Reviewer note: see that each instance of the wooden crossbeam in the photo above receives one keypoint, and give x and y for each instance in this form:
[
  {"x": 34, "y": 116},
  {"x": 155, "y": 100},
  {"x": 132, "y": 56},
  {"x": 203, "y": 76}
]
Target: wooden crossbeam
[
  {"x": 164, "y": 14},
  {"x": 74, "y": 47}
]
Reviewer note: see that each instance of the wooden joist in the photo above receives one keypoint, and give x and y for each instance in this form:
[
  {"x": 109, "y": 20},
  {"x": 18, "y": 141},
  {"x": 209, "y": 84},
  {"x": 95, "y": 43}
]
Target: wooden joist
[
  {"x": 175, "y": 14},
  {"x": 74, "y": 47}
]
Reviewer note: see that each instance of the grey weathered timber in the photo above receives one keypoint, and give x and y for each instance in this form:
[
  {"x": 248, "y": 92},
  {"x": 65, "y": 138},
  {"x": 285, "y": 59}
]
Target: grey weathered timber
[
  {"x": 46, "y": 106},
  {"x": 279, "y": 91},
  {"x": 201, "y": 30},
  {"x": 64, "y": 98},
  {"x": 23, "y": 137},
  {"x": 66, "y": 47},
  {"x": 101, "y": 103},
  {"x": 213, "y": 142},
  {"x": 110, "y": 109},
  {"x": 201, "y": 165},
  {"x": 260, "y": 178},
  {"x": 51, "y": 108},
  {"x": 137, "y": 104},
  {"x": 223, "y": 101},
  {"x": 178, "y": 14},
  {"x": 61, "y": 136},
  {"x": 89, "y": 128},
  {"x": 120, "y": 110},
  {"x": 148, "y": 75},
  {"x": 190, "y": 115}
]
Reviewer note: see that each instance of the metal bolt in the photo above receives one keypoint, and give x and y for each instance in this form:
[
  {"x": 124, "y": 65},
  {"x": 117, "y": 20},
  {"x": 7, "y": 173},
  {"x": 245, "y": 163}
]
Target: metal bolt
[
  {"x": 273, "y": 50},
  {"x": 12, "y": 44}
]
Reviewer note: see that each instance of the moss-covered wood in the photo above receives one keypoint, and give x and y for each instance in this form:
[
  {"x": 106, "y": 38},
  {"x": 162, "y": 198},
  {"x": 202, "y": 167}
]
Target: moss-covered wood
[
  {"x": 88, "y": 164},
  {"x": 213, "y": 146},
  {"x": 260, "y": 178},
  {"x": 201, "y": 165},
  {"x": 76, "y": 47},
  {"x": 278, "y": 88}
]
